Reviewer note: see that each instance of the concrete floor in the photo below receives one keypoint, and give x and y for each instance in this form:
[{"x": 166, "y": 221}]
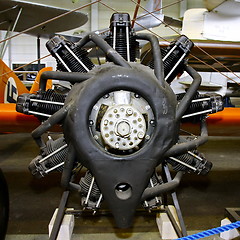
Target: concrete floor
[{"x": 33, "y": 201}]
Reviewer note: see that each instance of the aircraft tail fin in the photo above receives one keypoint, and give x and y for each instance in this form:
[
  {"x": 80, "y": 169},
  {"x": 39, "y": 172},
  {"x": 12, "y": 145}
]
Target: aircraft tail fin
[{"x": 10, "y": 85}]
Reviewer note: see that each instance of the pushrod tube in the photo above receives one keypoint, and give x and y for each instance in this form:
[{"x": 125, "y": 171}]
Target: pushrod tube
[
  {"x": 181, "y": 148},
  {"x": 107, "y": 49},
  {"x": 72, "y": 77},
  {"x": 50, "y": 122},
  {"x": 165, "y": 187},
  {"x": 186, "y": 101},
  {"x": 157, "y": 56}
]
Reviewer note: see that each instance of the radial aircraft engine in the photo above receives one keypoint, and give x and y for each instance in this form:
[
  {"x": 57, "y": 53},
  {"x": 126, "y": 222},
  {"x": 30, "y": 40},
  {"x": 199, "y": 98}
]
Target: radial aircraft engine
[{"x": 120, "y": 119}]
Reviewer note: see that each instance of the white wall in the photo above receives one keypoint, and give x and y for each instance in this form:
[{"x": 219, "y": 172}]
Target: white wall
[{"x": 24, "y": 48}]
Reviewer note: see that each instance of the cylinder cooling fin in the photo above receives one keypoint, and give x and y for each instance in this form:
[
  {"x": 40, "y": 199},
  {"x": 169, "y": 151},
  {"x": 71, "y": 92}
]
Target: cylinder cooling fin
[
  {"x": 201, "y": 105},
  {"x": 122, "y": 37},
  {"x": 69, "y": 57},
  {"x": 51, "y": 159},
  {"x": 42, "y": 105},
  {"x": 173, "y": 57},
  {"x": 120, "y": 119}
]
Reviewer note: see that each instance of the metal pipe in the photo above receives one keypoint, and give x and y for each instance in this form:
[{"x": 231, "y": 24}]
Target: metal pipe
[
  {"x": 128, "y": 44},
  {"x": 74, "y": 55},
  {"x": 201, "y": 99},
  {"x": 165, "y": 187},
  {"x": 181, "y": 148},
  {"x": 197, "y": 113},
  {"x": 63, "y": 63},
  {"x": 53, "y": 153},
  {"x": 59, "y": 217},
  {"x": 172, "y": 49},
  {"x": 157, "y": 56},
  {"x": 107, "y": 49},
  {"x": 188, "y": 97},
  {"x": 39, "y": 114},
  {"x": 182, "y": 57},
  {"x": 54, "y": 119},
  {"x": 183, "y": 163},
  {"x": 48, "y": 102},
  {"x": 72, "y": 77},
  {"x": 68, "y": 167}
]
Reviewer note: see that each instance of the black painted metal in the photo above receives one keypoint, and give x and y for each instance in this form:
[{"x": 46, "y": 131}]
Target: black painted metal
[
  {"x": 176, "y": 204},
  {"x": 4, "y": 206},
  {"x": 134, "y": 169},
  {"x": 72, "y": 77},
  {"x": 107, "y": 49},
  {"x": 115, "y": 172},
  {"x": 186, "y": 101},
  {"x": 157, "y": 56},
  {"x": 59, "y": 217}
]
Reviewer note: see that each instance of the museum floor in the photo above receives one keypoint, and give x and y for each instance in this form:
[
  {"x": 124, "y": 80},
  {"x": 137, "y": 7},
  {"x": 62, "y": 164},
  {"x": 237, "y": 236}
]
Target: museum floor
[{"x": 203, "y": 199}]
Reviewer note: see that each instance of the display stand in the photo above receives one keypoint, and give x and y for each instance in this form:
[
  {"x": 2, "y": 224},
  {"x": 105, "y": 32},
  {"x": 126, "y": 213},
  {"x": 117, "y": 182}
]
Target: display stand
[
  {"x": 233, "y": 214},
  {"x": 179, "y": 229}
]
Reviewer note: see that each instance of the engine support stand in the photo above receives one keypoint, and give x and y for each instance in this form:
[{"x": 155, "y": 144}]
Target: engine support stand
[
  {"x": 60, "y": 215},
  {"x": 181, "y": 232}
]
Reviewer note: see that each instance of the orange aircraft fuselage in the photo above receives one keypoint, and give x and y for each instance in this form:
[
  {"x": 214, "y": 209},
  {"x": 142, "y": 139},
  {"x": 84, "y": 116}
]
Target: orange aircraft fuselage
[
  {"x": 10, "y": 87},
  {"x": 226, "y": 122}
]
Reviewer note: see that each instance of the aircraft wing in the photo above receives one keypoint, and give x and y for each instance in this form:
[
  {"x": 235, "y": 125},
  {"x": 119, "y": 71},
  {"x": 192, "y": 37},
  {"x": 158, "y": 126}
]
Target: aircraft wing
[
  {"x": 226, "y": 53},
  {"x": 211, "y": 4},
  {"x": 218, "y": 22},
  {"x": 31, "y": 14},
  {"x": 230, "y": 7}
]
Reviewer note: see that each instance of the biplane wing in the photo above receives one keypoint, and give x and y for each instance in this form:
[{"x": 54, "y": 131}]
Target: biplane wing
[
  {"x": 218, "y": 21},
  {"x": 22, "y": 15}
]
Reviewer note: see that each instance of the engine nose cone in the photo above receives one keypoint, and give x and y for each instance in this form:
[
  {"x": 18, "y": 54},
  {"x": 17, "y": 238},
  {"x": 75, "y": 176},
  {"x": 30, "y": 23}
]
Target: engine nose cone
[{"x": 123, "y": 128}]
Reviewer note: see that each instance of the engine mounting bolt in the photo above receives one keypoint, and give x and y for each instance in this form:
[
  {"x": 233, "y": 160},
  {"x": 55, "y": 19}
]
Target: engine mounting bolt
[
  {"x": 148, "y": 107},
  {"x": 117, "y": 145},
  {"x": 136, "y": 95},
  {"x": 96, "y": 137},
  {"x": 152, "y": 122},
  {"x": 106, "y": 96},
  {"x": 91, "y": 122},
  {"x": 129, "y": 111},
  {"x": 147, "y": 137},
  {"x": 115, "y": 110},
  {"x": 140, "y": 135},
  {"x": 106, "y": 122}
]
